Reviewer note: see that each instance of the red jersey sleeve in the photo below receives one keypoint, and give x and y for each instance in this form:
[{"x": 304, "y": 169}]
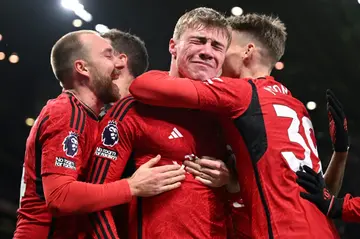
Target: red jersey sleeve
[
  {"x": 113, "y": 149},
  {"x": 61, "y": 144},
  {"x": 227, "y": 96},
  {"x": 221, "y": 95},
  {"x": 157, "y": 88},
  {"x": 351, "y": 209}
]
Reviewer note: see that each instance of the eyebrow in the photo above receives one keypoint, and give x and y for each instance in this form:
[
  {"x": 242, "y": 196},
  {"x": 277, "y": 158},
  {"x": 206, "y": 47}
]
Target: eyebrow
[
  {"x": 214, "y": 42},
  {"x": 108, "y": 50}
]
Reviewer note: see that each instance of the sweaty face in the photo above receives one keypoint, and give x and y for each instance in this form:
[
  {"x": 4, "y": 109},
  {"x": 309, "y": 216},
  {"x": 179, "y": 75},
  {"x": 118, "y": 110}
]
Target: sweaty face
[
  {"x": 234, "y": 57},
  {"x": 102, "y": 68},
  {"x": 200, "y": 53}
]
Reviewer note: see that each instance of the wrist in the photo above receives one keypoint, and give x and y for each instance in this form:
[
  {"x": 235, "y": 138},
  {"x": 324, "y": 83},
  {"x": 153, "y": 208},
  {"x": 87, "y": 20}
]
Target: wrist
[
  {"x": 132, "y": 186},
  {"x": 336, "y": 209},
  {"x": 341, "y": 149},
  {"x": 340, "y": 154}
]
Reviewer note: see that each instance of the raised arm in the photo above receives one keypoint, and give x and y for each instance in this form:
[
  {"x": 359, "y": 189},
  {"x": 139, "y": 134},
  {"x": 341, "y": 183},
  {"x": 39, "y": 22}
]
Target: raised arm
[{"x": 340, "y": 140}]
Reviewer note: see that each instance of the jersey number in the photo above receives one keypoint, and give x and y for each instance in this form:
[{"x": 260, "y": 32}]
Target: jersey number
[{"x": 294, "y": 136}]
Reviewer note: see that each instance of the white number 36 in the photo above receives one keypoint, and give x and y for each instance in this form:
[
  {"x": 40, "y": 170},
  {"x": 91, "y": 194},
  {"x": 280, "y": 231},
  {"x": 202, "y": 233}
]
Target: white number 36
[{"x": 296, "y": 137}]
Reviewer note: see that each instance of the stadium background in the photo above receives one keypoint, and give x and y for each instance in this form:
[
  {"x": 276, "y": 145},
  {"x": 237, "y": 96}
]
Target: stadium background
[{"x": 322, "y": 52}]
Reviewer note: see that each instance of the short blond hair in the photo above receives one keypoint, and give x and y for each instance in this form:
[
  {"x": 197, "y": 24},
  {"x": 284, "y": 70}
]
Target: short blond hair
[
  {"x": 202, "y": 17},
  {"x": 268, "y": 30}
]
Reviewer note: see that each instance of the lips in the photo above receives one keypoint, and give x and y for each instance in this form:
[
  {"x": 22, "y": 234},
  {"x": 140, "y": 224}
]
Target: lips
[
  {"x": 202, "y": 63},
  {"x": 115, "y": 75}
]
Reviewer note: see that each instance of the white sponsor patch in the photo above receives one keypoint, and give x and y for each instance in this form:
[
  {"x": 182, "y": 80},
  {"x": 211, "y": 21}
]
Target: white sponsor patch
[
  {"x": 65, "y": 163},
  {"x": 105, "y": 153}
]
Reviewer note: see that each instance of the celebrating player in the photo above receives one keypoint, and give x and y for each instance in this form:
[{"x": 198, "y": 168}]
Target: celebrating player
[
  {"x": 268, "y": 129},
  {"x": 62, "y": 140},
  {"x": 193, "y": 210}
]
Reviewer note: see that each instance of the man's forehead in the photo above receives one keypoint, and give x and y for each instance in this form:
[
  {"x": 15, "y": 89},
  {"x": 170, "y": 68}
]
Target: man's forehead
[
  {"x": 215, "y": 34},
  {"x": 108, "y": 40},
  {"x": 100, "y": 45},
  {"x": 206, "y": 31},
  {"x": 93, "y": 39}
]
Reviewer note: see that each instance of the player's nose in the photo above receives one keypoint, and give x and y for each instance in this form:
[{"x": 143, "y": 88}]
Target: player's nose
[{"x": 206, "y": 52}]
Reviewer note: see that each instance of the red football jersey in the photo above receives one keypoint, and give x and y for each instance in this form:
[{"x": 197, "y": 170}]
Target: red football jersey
[
  {"x": 191, "y": 211},
  {"x": 61, "y": 138},
  {"x": 351, "y": 209},
  {"x": 271, "y": 135},
  {"x": 239, "y": 218}
]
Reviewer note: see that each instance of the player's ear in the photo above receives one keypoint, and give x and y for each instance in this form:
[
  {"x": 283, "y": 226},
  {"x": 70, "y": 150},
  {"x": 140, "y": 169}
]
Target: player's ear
[
  {"x": 249, "y": 51},
  {"x": 172, "y": 47},
  {"x": 81, "y": 68},
  {"x": 121, "y": 61}
]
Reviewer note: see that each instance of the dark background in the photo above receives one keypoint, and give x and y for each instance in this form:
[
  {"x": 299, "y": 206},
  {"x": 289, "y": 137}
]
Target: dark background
[{"x": 322, "y": 52}]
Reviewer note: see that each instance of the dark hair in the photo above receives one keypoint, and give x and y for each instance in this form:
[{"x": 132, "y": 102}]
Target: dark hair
[
  {"x": 268, "y": 30},
  {"x": 133, "y": 47},
  {"x": 65, "y": 52}
]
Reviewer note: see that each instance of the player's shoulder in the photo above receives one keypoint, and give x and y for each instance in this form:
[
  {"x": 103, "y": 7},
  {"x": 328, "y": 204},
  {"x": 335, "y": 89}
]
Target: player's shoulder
[
  {"x": 268, "y": 85},
  {"x": 234, "y": 84},
  {"x": 121, "y": 109},
  {"x": 63, "y": 105},
  {"x": 56, "y": 108},
  {"x": 66, "y": 109}
]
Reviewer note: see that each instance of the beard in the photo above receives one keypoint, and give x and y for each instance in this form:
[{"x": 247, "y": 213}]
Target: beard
[{"x": 103, "y": 87}]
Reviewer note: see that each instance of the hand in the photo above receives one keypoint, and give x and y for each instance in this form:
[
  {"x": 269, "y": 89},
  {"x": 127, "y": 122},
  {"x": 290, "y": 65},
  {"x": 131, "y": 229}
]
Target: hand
[
  {"x": 149, "y": 181},
  {"x": 210, "y": 171},
  {"x": 337, "y": 123},
  {"x": 318, "y": 194}
]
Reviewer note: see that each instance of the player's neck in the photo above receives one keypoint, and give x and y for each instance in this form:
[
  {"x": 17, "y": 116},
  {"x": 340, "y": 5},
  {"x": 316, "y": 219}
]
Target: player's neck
[
  {"x": 173, "y": 69},
  {"x": 254, "y": 72},
  {"x": 88, "y": 99}
]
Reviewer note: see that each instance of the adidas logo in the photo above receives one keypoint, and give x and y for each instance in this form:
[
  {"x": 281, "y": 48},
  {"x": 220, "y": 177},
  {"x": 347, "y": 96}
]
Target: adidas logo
[{"x": 175, "y": 134}]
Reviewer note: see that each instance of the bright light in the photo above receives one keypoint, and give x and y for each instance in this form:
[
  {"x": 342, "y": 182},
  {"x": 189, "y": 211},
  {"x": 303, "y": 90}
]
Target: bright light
[
  {"x": 77, "y": 23},
  {"x": 101, "y": 28},
  {"x": 279, "y": 65},
  {"x": 311, "y": 105},
  {"x": 237, "y": 11},
  {"x": 29, "y": 122},
  {"x": 77, "y": 8},
  {"x": 2, "y": 55},
  {"x": 14, "y": 58},
  {"x": 0, "y": 37},
  {"x": 359, "y": 1},
  {"x": 71, "y": 4},
  {"x": 83, "y": 14}
]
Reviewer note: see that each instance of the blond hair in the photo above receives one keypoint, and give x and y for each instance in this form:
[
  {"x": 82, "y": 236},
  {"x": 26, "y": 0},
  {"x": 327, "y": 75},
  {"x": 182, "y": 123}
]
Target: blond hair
[
  {"x": 202, "y": 17},
  {"x": 267, "y": 30}
]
